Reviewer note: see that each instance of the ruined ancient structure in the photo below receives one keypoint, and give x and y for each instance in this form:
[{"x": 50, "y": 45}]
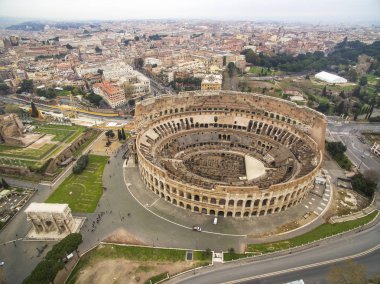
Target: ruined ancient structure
[
  {"x": 12, "y": 132},
  {"x": 51, "y": 218},
  {"x": 228, "y": 153}
]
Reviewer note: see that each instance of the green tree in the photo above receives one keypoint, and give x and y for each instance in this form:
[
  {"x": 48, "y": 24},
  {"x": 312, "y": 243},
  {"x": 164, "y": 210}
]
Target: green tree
[
  {"x": 119, "y": 135},
  {"x": 4, "y": 183},
  {"x": 4, "y": 88},
  {"x": 35, "y": 112},
  {"x": 109, "y": 134},
  {"x": 26, "y": 86},
  {"x": 123, "y": 134},
  {"x": 324, "y": 92},
  {"x": 363, "y": 81},
  {"x": 231, "y": 69}
]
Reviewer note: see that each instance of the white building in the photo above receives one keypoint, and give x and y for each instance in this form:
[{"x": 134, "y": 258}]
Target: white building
[
  {"x": 376, "y": 149},
  {"x": 330, "y": 78}
]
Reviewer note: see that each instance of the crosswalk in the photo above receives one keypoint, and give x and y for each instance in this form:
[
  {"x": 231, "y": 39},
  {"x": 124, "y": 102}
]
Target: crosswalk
[{"x": 321, "y": 203}]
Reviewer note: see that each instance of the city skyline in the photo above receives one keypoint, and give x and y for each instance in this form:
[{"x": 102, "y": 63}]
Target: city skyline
[{"x": 318, "y": 12}]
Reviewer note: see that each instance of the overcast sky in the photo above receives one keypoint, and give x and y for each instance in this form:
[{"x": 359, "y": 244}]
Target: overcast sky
[{"x": 316, "y": 11}]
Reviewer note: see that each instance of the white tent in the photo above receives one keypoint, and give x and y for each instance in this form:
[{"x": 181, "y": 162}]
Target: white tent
[{"x": 330, "y": 78}]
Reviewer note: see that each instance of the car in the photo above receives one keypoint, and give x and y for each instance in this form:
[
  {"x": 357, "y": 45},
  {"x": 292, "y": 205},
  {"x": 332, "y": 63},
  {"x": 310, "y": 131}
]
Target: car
[
  {"x": 197, "y": 228},
  {"x": 2, "y": 263}
]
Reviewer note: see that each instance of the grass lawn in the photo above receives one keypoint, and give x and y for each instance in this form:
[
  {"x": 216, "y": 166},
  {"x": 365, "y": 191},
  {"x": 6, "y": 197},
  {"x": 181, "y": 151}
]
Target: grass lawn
[
  {"x": 82, "y": 192},
  {"x": 142, "y": 254},
  {"x": 321, "y": 232}
]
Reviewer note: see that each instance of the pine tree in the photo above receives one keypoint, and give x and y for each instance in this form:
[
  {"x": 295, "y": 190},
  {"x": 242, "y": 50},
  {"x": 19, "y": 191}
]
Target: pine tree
[
  {"x": 34, "y": 110},
  {"x": 123, "y": 134},
  {"x": 324, "y": 92},
  {"x": 119, "y": 136},
  {"x": 5, "y": 184}
]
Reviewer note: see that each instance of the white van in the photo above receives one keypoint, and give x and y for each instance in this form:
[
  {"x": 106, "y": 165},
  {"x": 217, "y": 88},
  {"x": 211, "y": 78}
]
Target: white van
[{"x": 215, "y": 221}]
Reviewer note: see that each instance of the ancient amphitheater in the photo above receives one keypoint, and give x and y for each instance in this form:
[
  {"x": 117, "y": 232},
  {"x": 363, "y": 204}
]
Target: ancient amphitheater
[{"x": 228, "y": 153}]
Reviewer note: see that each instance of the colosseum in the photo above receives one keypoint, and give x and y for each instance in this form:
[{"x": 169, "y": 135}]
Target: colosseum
[{"x": 228, "y": 153}]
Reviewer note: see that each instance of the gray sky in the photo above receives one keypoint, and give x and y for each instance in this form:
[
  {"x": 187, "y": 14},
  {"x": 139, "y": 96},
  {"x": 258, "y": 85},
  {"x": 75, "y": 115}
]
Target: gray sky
[{"x": 316, "y": 11}]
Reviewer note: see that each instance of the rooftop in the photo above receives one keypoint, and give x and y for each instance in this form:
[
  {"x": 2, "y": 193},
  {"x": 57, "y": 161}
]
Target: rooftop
[{"x": 46, "y": 207}]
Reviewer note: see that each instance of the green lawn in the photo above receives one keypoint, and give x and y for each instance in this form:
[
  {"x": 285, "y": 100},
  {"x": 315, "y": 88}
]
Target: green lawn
[
  {"x": 136, "y": 254},
  {"x": 82, "y": 192},
  {"x": 321, "y": 232}
]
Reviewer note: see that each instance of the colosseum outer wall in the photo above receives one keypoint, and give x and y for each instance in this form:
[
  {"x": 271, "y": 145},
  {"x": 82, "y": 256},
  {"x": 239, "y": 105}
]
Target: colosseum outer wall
[{"x": 236, "y": 201}]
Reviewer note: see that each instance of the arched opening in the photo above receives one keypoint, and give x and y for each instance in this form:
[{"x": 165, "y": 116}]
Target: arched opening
[
  {"x": 240, "y": 203},
  {"x": 204, "y": 211},
  {"x": 212, "y": 212},
  {"x": 220, "y": 213},
  {"x": 168, "y": 198},
  {"x": 262, "y": 212},
  {"x": 238, "y": 214},
  {"x": 265, "y": 202},
  {"x": 222, "y": 201},
  {"x": 257, "y": 202},
  {"x": 174, "y": 202},
  {"x": 254, "y": 213},
  {"x": 213, "y": 200},
  {"x": 231, "y": 202},
  {"x": 229, "y": 214},
  {"x": 196, "y": 209},
  {"x": 204, "y": 199},
  {"x": 188, "y": 206},
  {"x": 246, "y": 214},
  {"x": 248, "y": 203},
  {"x": 196, "y": 197}
]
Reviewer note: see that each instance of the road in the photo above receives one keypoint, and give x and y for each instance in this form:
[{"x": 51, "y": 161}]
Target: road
[
  {"x": 358, "y": 152},
  {"x": 274, "y": 269}
]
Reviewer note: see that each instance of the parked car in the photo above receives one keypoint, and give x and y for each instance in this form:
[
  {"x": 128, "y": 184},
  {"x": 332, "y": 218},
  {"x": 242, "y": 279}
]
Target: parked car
[
  {"x": 2, "y": 263},
  {"x": 197, "y": 228}
]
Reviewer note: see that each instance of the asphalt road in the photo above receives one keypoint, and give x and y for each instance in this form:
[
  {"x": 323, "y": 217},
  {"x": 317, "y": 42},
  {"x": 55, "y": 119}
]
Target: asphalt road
[
  {"x": 319, "y": 275},
  {"x": 330, "y": 250},
  {"x": 358, "y": 152}
]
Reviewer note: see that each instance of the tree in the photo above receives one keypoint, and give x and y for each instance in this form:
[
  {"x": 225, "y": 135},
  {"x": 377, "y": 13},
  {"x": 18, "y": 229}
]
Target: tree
[
  {"x": 131, "y": 103},
  {"x": 349, "y": 272},
  {"x": 352, "y": 76},
  {"x": 139, "y": 62},
  {"x": 363, "y": 185},
  {"x": 35, "y": 112},
  {"x": 4, "y": 183},
  {"x": 26, "y": 86},
  {"x": 137, "y": 38},
  {"x": 231, "y": 69},
  {"x": 119, "y": 135},
  {"x": 4, "y": 88},
  {"x": 123, "y": 134},
  {"x": 100, "y": 71},
  {"x": 363, "y": 81},
  {"x": 324, "y": 92},
  {"x": 80, "y": 165},
  {"x": 109, "y": 135}
]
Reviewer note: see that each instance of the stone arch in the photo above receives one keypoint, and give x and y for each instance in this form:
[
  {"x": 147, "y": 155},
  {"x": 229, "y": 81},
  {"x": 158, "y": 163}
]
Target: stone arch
[
  {"x": 188, "y": 206},
  {"x": 238, "y": 214},
  {"x": 212, "y": 212},
  {"x": 168, "y": 198},
  {"x": 239, "y": 203},
  {"x": 181, "y": 204},
  {"x": 231, "y": 202},
  {"x": 204, "y": 199},
  {"x": 222, "y": 201},
  {"x": 262, "y": 212},
  {"x": 196, "y": 209},
  {"x": 213, "y": 200},
  {"x": 229, "y": 214},
  {"x": 220, "y": 213},
  {"x": 196, "y": 197},
  {"x": 246, "y": 214},
  {"x": 204, "y": 211},
  {"x": 174, "y": 201}
]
